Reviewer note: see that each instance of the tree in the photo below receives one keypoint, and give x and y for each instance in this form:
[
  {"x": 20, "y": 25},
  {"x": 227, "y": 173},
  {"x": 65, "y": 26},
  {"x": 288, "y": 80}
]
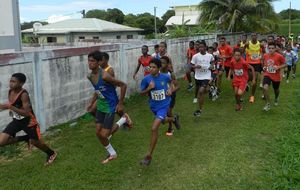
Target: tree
[
  {"x": 27, "y": 25},
  {"x": 295, "y": 14},
  {"x": 130, "y": 20},
  {"x": 96, "y": 13},
  {"x": 243, "y": 15},
  {"x": 115, "y": 15}
]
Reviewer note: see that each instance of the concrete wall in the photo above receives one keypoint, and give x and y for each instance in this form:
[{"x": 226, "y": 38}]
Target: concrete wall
[{"x": 57, "y": 82}]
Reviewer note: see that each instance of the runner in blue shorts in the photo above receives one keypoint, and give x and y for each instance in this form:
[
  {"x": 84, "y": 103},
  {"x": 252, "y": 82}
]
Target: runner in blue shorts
[{"x": 159, "y": 87}]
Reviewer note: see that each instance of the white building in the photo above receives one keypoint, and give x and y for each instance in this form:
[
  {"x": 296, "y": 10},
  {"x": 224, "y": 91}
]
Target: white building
[
  {"x": 188, "y": 13},
  {"x": 76, "y": 30}
]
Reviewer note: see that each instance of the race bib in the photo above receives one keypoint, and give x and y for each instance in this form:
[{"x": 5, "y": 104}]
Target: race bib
[
  {"x": 100, "y": 95},
  {"x": 238, "y": 72},
  {"x": 158, "y": 95},
  {"x": 15, "y": 115},
  {"x": 255, "y": 56},
  {"x": 271, "y": 69}
]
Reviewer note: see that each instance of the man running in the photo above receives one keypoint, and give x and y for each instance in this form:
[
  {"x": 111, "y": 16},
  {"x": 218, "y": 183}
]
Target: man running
[
  {"x": 190, "y": 53},
  {"x": 107, "y": 101},
  {"x": 20, "y": 110},
  {"x": 225, "y": 58},
  {"x": 273, "y": 63},
  {"x": 239, "y": 68},
  {"x": 202, "y": 63},
  {"x": 159, "y": 87},
  {"x": 254, "y": 55},
  {"x": 290, "y": 58},
  {"x": 124, "y": 117},
  {"x": 143, "y": 60},
  {"x": 165, "y": 70}
]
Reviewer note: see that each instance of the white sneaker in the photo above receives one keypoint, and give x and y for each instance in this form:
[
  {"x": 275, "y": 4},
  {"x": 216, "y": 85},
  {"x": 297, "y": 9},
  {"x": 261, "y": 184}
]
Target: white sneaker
[
  {"x": 195, "y": 100},
  {"x": 276, "y": 102},
  {"x": 267, "y": 107},
  {"x": 261, "y": 85},
  {"x": 287, "y": 81}
]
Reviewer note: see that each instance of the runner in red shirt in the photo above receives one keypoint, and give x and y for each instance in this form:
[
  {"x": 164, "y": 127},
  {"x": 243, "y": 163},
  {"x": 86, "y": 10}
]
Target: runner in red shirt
[
  {"x": 272, "y": 64},
  {"x": 239, "y": 69},
  {"x": 143, "y": 60},
  {"x": 225, "y": 58},
  {"x": 190, "y": 53}
]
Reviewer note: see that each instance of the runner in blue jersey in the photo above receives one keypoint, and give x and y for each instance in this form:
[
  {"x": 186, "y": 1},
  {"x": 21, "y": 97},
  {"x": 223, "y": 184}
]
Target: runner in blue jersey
[
  {"x": 107, "y": 101},
  {"x": 159, "y": 87}
]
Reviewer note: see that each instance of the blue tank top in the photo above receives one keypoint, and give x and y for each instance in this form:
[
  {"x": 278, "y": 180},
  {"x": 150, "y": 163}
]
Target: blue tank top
[{"x": 107, "y": 95}]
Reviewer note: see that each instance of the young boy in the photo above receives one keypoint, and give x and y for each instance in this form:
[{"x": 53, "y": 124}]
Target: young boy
[
  {"x": 124, "y": 117},
  {"x": 107, "y": 101},
  {"x": 202, "y": 63},
  {"x": 190, "y": 53},
  {"x": 143, "y": 60},
  {"x": 213, "y": 92},
  {"x": 156, "y": 51},
  {"x": 165, "y": 64},
  {"x": 273, "y": 63},
  {"x": 290, "y": 58},
  {"x": 159, "y": 87},
  {"x": 225, "y": 58},
  {"x": 20, "y": 109},
  {"x": 239, "y": 68}
]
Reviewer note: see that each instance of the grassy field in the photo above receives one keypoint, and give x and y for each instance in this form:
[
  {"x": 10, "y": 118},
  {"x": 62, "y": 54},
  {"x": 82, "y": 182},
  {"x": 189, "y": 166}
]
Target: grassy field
[
  {"x": 284, "y": 29},
  {"x": 223, "y": 149}
]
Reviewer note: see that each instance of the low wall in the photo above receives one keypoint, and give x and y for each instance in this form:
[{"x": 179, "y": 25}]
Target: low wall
[{"x": 57, "y": 83}]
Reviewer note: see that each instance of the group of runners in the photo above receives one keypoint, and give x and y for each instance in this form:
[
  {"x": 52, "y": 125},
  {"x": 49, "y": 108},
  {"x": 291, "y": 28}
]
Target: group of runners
[{"x": 248, "y": 62}]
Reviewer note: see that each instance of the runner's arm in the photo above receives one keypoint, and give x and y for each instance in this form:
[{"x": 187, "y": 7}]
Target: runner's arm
[{"x": 174, "y": 83}]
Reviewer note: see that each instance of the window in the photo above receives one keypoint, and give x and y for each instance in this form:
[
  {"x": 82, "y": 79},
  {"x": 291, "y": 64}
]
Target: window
[
  {"x": 129, "y": 36},
  {"x": 51, "y": 39},
  {"x": 96, "y": 37},
  {"x": 118, "y": 37},
  {"x": 81, "y": 37}
]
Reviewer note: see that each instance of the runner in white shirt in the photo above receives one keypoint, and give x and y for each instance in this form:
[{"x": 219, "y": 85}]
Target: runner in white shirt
[{"x": 202, "y": 62}]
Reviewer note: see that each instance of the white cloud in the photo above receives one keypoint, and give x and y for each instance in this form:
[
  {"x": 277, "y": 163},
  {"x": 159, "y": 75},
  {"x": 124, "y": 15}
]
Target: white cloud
[{"x": 67, "y": 7}]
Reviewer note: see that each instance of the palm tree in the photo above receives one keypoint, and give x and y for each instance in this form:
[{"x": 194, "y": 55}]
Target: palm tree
[{"x": 239, "y": 15}]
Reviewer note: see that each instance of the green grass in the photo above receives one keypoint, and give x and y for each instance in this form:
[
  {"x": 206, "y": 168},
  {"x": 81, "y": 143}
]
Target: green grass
[
  {"x": 223, "y": 149},
  {"x": 284, "y": 29}
]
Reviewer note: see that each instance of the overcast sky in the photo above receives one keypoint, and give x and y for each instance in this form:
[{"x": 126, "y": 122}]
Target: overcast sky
[{"x": 56, "y": 10}]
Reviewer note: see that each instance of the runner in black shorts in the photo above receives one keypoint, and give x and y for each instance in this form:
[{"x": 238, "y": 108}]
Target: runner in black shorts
[
  {"x": 107, "y": 99},
  {"x": 165, "y": 64},
  {"x": 20, "y": 109}
]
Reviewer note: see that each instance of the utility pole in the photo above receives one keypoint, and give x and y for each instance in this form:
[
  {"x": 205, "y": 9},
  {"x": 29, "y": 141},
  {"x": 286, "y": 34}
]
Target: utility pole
[
  {"x": 155, "y": 30},
  {"x": 290, "y": 18},
  {"x": 83, "y": 13}
]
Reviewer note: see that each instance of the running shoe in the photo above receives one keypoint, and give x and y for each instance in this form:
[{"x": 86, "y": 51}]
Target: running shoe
[
  {"x": 238, "y": 107},
  {"x": 109, "y": 158},
  {"x": 128, "y": 121},
  {"x": 195, "y": 100},
  {"x": 50, "y": 159},
  {"x": 267, "y": 107},
  {"x": 251, "y": 99},
  {"x": 261, "y": 85},
  {"x": 293, "y": 76},
  {"x": 197, "y": 113},
  {"x": 287, "y": 81},
  {"x": 276, "y": 102},
  {"x": 146, "y": 161},
  {"x": 169, "y": 133}
]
